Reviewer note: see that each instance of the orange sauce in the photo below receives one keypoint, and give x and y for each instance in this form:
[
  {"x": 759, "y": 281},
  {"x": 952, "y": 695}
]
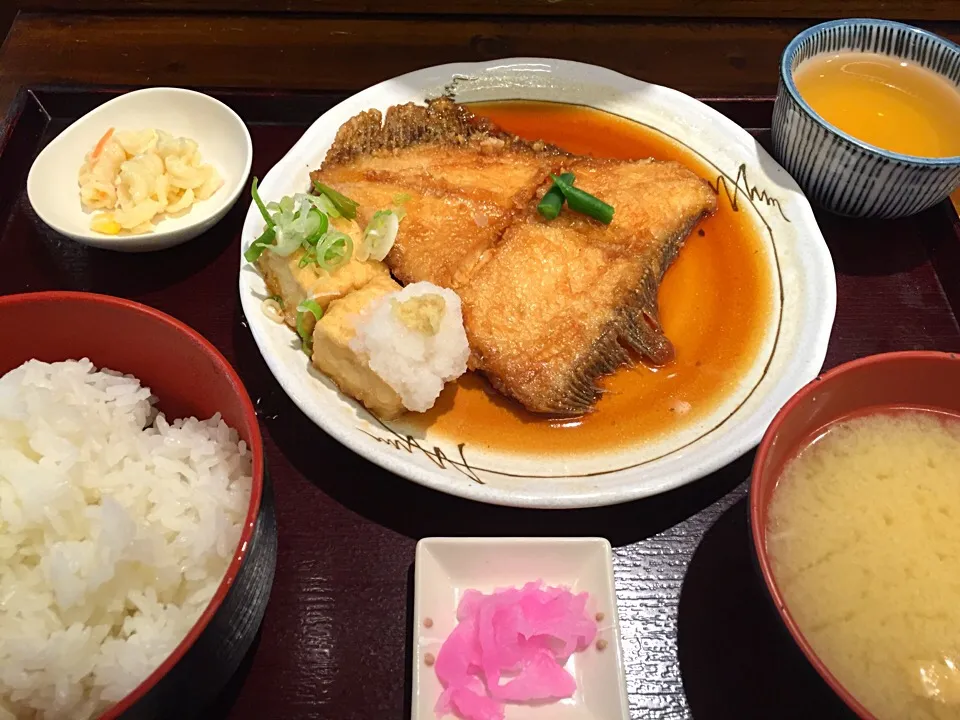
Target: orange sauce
[
  {"x": 883, "y": 101},
  {"x": 714, "y": 303}
]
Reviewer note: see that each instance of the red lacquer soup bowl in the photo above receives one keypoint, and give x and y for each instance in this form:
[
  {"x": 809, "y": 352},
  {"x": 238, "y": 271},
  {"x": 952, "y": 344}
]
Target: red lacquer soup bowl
[
  {"x": 191, "y": 378},
  {"x": 876, "y": 383}
]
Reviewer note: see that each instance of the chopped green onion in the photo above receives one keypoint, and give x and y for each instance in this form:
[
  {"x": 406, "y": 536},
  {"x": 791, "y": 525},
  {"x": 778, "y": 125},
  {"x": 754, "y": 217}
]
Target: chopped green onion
[
  {"x": 309, "y": 257},
  {"x": 312, "y": 306},
  {"x": 260, "y": 244},
  {"x": 319, "y": 224},
  {"x": 380, "y": 235},
  {"x": 303, "y": 222},
  {"x": 583, "y": 202},
  {"x": 345, "y": 206},
  {"x": 308, "y": 312},
  {"x": 289, "y": 239},
  {"x": 552, "y": 201},
  {"x": 327, "y": 207},
  {"x": 335, "y": 249},
  {"x": 260, "y": 205},
  {"x": 278, "y": 299},
  {"x": 401, "y": 198}
]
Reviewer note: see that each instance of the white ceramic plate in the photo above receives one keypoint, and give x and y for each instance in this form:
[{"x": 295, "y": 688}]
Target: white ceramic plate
[
  {"x": 223, "y": 139},
  {"x": 791, "y": 352},
  {"x": 446, "y": 567}
]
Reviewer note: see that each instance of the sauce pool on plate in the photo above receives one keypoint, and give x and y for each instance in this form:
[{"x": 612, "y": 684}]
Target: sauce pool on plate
[
  {"x": 714, "y": 306},
  {"x": 884, "y": 101}
]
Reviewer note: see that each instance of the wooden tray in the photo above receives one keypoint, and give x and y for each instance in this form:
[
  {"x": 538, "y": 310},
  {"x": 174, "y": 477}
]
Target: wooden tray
[{"x": 700, "y": 637}]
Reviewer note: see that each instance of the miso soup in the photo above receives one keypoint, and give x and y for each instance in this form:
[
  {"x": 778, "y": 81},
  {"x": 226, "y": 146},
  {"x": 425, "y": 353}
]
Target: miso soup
[{"x": 864, "y": 540}]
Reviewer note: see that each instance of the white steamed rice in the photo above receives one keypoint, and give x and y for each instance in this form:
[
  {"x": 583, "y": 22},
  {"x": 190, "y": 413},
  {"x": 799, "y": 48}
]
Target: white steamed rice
[{"x": 116, "y": 528}]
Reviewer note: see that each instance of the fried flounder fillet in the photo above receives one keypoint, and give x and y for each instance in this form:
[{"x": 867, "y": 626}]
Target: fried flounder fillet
[
  {"x": 460, "y": 181},
  {"x": 548, "y": 307}
]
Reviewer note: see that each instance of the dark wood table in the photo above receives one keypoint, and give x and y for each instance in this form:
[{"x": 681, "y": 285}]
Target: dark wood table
[{"x": 699, "y": 636}]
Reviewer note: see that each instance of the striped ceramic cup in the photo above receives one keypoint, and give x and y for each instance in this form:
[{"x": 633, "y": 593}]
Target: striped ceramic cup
[{"x": 839, "y": 172}]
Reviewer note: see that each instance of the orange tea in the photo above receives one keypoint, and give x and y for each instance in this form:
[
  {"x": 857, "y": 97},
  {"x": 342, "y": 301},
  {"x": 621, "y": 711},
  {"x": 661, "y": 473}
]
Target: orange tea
[{"x": 884, "y": 101}]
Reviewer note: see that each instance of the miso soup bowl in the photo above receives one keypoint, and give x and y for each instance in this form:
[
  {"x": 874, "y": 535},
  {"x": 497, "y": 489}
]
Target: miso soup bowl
[
  {"x": 190, "y": 377},
  {"x": 901, "y": 379},
  {"x": 836, "y": 170}
]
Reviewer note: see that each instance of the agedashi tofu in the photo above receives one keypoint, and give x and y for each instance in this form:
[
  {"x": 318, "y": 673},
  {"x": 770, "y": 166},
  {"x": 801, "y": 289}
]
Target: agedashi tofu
[
  {"x": 293, "y": 284},
  {"x": 333, "y": 356}
]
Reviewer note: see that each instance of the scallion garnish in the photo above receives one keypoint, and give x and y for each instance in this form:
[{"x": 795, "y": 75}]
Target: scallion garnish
[
  {"x": 309, "y": 258},
  {"x": 335, "y": 249},
  {"x": 322, "y": 224},
  {"x": 323, "y": 202},
  {"x": 552, "y": 201},
  {"x": 330, "y": 252},
  {"x": 308, "y": 312},
  {"x": 260, "y": 244},
  {"x": 344, "y": 205},
  {"x": 300, "y": 222},
  {"x": 380, "y": 235},
  {"x": 263, "y": 208},
  {"x": 583, "y": 202},
  {"x": 269, "y": 235}
]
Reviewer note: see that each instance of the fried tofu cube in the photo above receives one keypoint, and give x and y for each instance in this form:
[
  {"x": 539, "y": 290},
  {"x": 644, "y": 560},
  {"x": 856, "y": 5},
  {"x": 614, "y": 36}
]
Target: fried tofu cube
[
  {"x": 333, "y": 356},
  {"x": 294, "y": 284}
]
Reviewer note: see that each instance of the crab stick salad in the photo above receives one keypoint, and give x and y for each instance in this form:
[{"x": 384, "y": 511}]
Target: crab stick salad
[{"x": 135, "y": 178}]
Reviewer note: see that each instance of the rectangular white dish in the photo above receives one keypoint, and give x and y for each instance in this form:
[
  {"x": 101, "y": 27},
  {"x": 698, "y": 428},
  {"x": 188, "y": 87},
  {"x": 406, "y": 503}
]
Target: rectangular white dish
[{"x": 447, "y": 567}]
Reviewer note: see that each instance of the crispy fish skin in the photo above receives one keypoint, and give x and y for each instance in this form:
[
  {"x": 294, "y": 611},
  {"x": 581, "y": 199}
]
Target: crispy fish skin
[
  {"x": 558, "y": 304},
  {"x": 441, "y": 122},
  {"x": 548, "y": 307},
  {"x": 460, "y": 181},
  {"x": 527, "y": 314}
]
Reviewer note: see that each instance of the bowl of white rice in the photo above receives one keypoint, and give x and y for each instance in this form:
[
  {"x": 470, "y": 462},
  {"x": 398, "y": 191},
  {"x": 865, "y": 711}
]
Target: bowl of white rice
[{"x": 137, "y": 537}]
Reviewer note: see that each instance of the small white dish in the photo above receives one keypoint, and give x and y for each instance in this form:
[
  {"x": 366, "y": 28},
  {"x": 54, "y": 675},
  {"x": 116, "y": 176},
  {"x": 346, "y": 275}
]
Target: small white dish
[
  {"x": 447, "y": 567},
  {"x": 223, "y": 139}
]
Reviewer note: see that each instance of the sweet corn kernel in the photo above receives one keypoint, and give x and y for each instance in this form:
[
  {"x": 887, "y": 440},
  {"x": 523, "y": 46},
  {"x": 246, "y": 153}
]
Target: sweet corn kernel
[{"x": 105, "y": 224}]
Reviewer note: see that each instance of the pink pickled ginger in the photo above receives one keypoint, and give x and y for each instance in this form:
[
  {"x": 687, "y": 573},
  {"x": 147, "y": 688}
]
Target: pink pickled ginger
[{"x": 511, "y": 646}]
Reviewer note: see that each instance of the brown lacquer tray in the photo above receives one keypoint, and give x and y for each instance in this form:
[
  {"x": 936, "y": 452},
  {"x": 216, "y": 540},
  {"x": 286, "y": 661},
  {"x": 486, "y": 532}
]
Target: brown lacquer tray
[{"x": 699, "y": 635}]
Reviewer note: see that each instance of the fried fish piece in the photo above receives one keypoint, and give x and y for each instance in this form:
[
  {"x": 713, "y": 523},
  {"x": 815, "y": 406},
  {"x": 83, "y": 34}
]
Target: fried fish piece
[
  {"x": 557, "y": 304},
  {"x": 548, "y": 307},
  {"x": 460, "y": 181}
]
